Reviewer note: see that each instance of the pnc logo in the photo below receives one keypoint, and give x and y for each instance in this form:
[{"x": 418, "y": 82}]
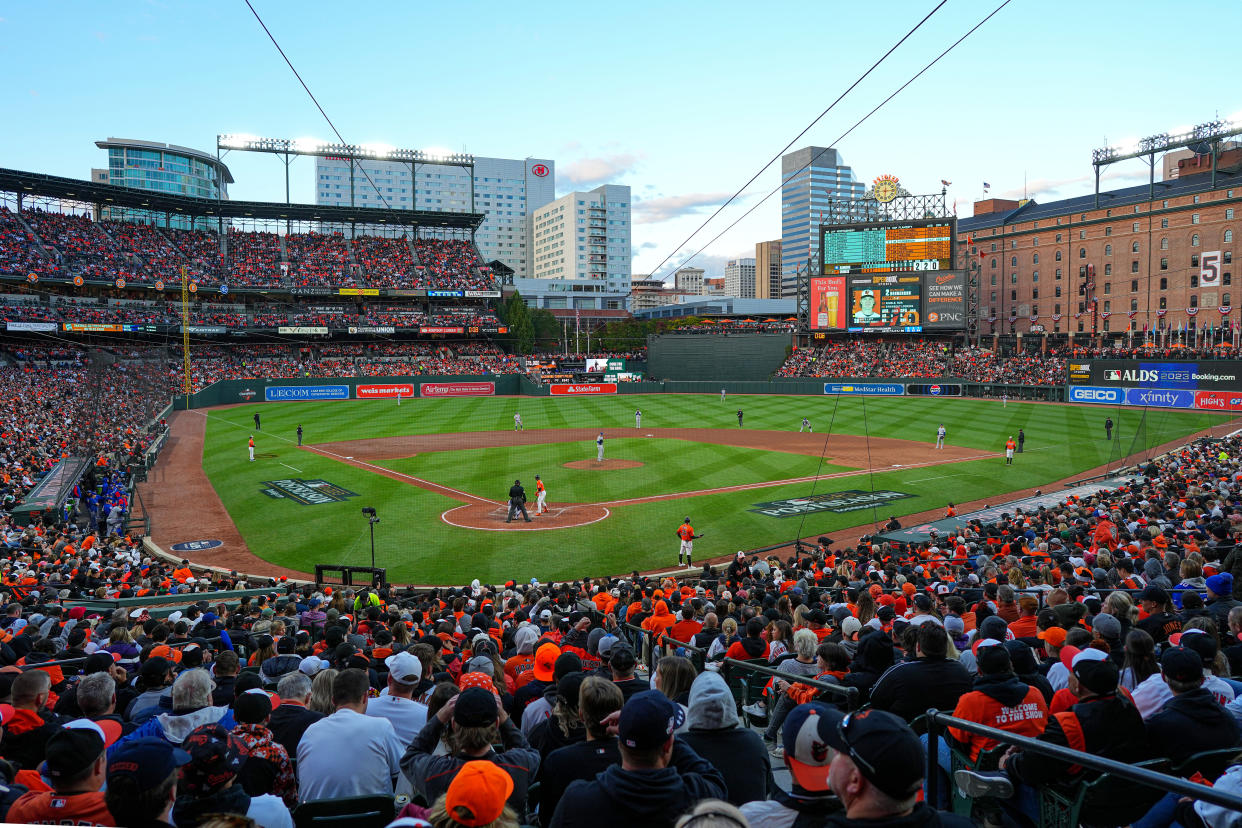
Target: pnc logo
[{"x": 539, "y": 170}]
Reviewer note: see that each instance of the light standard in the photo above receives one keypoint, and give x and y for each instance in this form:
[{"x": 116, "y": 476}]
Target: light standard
[{"x": 372, "y": 520}]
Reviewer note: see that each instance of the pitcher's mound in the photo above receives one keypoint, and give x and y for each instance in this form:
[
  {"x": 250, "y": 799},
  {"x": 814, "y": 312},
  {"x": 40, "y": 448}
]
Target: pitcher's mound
[
  {"x": 603, "y": 464},
  {"x": 491, "y": 517}
]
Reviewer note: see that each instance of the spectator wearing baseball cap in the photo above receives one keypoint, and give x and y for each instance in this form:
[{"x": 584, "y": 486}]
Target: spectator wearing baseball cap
[
  {"x": 475, "y": 721},
  {"x": 1103, "y": 722},
  {"x": 538, "y": 711},
  {"x": 76, "y": 765},
  {"x": 1220, "y": 598},
  {"x": 142, "y": 782},
  {"x": 621, "y": 662},
  {"x": 267, "y": 768},
  {"x": 477, "y": 797},
  {"x": 348, "y": 753},
  {"x": 806, "y": 732},
  {"x": 397, "y": 704},
  {"x": 1160, "y": 621},
  {"x": 544, "y": 677},
  {"x": 208, "y": 784},
  {"x": 598, "y": 699},
  {"x": 659, "y": 777}
]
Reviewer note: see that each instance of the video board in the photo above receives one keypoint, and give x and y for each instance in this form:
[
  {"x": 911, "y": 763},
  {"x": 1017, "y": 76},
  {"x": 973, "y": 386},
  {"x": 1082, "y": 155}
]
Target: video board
[
  {"x": 888, "y": 303},
  {"x": 886, "y": 247}
]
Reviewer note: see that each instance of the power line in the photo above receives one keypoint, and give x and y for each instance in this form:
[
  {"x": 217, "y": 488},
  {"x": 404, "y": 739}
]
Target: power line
[
  {"x": 845, "y": 134},
  {"x": 314, "y": 100},
  {"x": 795, "y": 139}
]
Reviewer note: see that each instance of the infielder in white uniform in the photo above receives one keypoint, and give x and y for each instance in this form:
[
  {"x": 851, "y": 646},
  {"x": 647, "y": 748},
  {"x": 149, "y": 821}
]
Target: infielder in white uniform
[
  {"x": 599, "y": 448},
  {"x": 806, "y": 425},
  {"x": 638, "y": 418},
  {"x": 940, "y": 432},
  {"x": 517, "y": 423},
  {"x": 1004, "y": 400}
]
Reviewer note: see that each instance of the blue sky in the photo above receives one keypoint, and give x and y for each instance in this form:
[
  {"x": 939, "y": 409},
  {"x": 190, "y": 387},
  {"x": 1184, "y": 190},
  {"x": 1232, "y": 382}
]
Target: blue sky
[{"x": 683, "y": 102}]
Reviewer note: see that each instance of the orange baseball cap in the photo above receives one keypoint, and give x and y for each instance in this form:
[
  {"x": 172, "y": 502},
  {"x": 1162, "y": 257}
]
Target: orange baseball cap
[
  {"x": 545, "y": 661},
  {"x": 167, "y": 652},
  {"x": 478, "y": 793},
  {"x": 480, "y": 680},
  {"x": 1054, "y": 636}
]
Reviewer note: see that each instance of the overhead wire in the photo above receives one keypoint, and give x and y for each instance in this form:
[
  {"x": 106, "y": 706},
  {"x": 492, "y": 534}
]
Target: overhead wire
[
  {"x": 804, "y": 131},
  {"x": 845, "y": 134}
]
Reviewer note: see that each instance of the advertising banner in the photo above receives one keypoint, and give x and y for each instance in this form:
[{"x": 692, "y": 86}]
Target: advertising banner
[
  {"x": 204, "y": 329},
  {"x": 1218, "y": 401},
  {"x": 944, "y": 300},
  {"x": 1209, "y": 375},
  {"x": 406, "y": 292},
  {"x": 92, "y": 327},
  {"x": 828, "y": 303},
  {"x": 301, "y": 329},
  {"x": 1160, "y": 397},
  {"x": 432, "y": 329},
  {"x": 457, "y": 389},
  {"x": 444, "y": 294},
  {"x": 567, "y": 389},
  {"x": 1092, "y": 394},
  {"x": 482, "y": 294},
  {"x": 301, "y": 393},
  {"x": 30, "y": 326},
  {"x": 851, "y": 500},
  {"x": 378, "y": 392},
  {"x": 870, "y": 389},
  {"x": 311, "y": 291},
  {"x": 372, "y": 329},
  {"x": 358, "y": 292},
  {"x": 596, "y": 365}
]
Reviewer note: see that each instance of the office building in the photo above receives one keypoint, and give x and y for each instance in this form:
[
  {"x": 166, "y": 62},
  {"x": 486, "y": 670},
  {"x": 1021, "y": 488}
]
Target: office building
[
  {"x": 508, "y": 190},
  {"x": 768, "y": 269},
  {"x": 689, "y": 280},
  {"x": 162, "y": 168},
  {"x": 584, "y": 235},
  {"x": 810, "y": 178},
  {"x": 739, "y": 278}
]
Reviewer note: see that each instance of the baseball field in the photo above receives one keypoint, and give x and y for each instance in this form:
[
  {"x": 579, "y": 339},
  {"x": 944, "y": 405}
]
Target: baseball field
[{"x": 438, "y": 472}]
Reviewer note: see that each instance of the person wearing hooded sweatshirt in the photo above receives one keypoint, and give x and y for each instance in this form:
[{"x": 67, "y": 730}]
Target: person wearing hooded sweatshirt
[
  {"x": 751, "y": 646},
  {"x": 874, "y": 656},
  {"x": 715, "y": 734},
  {"x": 31, "y": 725},
  {"x": 659, "y": 778},
  {"x": 191, "y": 708},
  {"x": 998, "y": 699},
  {"x": 541, "y": 708},
  {"x": 280, "y": 665}
]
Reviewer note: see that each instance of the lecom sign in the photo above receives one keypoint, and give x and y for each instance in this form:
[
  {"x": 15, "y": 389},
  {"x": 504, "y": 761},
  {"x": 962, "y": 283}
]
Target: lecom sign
[
  {"x": 564, "y": 390},
  {"x": 378, "y": 392},
  {"x": 457, "y": 389}
]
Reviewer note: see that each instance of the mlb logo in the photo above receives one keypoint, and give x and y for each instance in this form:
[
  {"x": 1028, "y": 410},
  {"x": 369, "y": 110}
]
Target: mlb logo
[{"x": 1112, "y": 375}]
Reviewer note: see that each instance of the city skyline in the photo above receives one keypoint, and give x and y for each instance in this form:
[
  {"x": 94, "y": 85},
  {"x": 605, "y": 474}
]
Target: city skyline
[{"x": 1021, "y": 125}]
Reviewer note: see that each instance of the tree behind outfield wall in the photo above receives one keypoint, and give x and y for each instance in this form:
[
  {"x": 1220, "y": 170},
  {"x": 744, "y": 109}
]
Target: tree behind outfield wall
[{"x": 521, "y": 328}]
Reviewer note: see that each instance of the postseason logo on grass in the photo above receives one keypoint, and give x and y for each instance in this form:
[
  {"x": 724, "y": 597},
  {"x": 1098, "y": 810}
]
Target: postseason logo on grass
[
  {"x": 851, "y": 500},
  {"x": 306, "y": 492}
]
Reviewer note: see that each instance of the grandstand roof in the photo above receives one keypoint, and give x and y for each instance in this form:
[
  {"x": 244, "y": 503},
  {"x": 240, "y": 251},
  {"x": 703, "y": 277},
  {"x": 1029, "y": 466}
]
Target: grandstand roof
[
  {"x": 1034, "y": 211},
  {"x": 54, "y": 186}
]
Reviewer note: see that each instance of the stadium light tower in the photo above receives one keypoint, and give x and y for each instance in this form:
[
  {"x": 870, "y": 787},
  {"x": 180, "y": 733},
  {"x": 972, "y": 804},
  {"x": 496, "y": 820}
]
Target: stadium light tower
[
  {"x": 1202, "y": 139},
  {"x": 287, "y": 149}
]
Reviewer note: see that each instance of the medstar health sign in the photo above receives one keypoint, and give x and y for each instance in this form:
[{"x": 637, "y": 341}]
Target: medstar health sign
[
  {"x": 851, "y": 500},
  {"x": 306, "y": 492}
]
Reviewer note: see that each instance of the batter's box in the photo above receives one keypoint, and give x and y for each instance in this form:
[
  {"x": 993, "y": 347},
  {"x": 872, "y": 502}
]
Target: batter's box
[{"x": 502, "y": 512}]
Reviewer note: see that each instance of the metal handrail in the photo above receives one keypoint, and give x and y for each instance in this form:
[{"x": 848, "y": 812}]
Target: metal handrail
[
  {"x": 851, "y": 694},
  {"x": 1162, "y": 781}
]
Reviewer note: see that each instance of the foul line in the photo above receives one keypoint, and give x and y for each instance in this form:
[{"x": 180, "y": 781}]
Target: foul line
[{"x": 287, "y": 466}]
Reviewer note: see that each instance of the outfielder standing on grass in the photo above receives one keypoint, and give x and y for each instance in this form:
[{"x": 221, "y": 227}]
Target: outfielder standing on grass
[
  {"x": 252, "y": 447},
  {"x": 541, "y": 495},
  {"x": 638, "y": 418},
  {"x": 686, "y": 533},
  {"x": 722, "y": 395},
  {"x": 517, "y": 423},
  {"x": 739, "y": 418},
  {"x": 599, "y": 448}
]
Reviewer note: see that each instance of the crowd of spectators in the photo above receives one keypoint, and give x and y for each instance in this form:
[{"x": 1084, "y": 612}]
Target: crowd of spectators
[
  {"x": 861, "y": 358},
  {"x": 63, "y": 245},
  {"x": 607, "y": 700}
]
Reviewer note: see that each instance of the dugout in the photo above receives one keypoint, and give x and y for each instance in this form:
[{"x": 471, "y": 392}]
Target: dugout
[
  {"x": 716, "y": 357},
  {"x": 51, "y": 492}
]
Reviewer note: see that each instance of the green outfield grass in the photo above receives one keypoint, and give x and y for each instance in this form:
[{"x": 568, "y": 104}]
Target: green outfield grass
[{"x": 417, "y": 546}]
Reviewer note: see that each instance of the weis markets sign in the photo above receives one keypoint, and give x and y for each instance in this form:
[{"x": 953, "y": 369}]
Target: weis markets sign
[
  {"x": 378, "y": 392},
  {"x": 457, "y": 389},
  {"x": 567, "y": 389},
  {"x": 852, "y": 500},
  {"x": 306, "y": 492}
]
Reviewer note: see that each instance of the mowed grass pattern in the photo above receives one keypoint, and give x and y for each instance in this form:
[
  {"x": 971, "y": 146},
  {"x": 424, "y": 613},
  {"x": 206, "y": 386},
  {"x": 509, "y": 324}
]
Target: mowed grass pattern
[{"x": 418, "y": 547}]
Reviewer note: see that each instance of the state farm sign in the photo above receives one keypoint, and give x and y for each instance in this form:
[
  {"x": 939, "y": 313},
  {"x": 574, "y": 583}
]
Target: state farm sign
[
  {"x": 457, "y": 389},
  {"x": 378, "y": 392},
  {"x": 562, "y": 390}
]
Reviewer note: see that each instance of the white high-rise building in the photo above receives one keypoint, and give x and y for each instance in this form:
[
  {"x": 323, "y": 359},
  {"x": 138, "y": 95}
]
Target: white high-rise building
[
  {"x": 508, "y": 190},
  {"x": 584, "y": 235},
  {"x": 739, "y": 278},
  {"x": 689, "y": 280}
]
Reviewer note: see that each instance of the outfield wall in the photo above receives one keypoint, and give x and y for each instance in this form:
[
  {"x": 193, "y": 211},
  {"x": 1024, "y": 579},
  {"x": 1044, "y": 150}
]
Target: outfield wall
[
  {"x": 233, "y": 392},
  {"x": 716, "y": 358}
]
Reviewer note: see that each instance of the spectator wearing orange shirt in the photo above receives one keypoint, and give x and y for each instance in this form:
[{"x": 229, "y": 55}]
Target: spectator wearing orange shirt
[{"x": 1024, "y": 626}]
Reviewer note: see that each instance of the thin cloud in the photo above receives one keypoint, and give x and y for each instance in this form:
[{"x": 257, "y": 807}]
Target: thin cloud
[
  {"x": 667, "y": 208},
  {"x": 588, "y": 172}
]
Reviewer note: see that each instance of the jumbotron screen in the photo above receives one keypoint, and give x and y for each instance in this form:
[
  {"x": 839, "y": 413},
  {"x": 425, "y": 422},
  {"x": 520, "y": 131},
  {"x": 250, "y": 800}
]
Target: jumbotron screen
[{"x": 886, "y": 247}]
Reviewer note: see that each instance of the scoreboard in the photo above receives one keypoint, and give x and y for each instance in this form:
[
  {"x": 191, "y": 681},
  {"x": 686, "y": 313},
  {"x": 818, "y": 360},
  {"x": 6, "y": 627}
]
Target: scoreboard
[{"x": 885, "y": 247}]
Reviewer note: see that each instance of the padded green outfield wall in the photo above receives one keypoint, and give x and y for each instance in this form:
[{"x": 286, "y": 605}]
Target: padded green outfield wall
[{"x": 716, "y": 357}]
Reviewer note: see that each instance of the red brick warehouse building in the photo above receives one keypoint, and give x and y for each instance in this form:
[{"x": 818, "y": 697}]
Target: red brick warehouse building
[{"x": 1150, "y": 257}]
